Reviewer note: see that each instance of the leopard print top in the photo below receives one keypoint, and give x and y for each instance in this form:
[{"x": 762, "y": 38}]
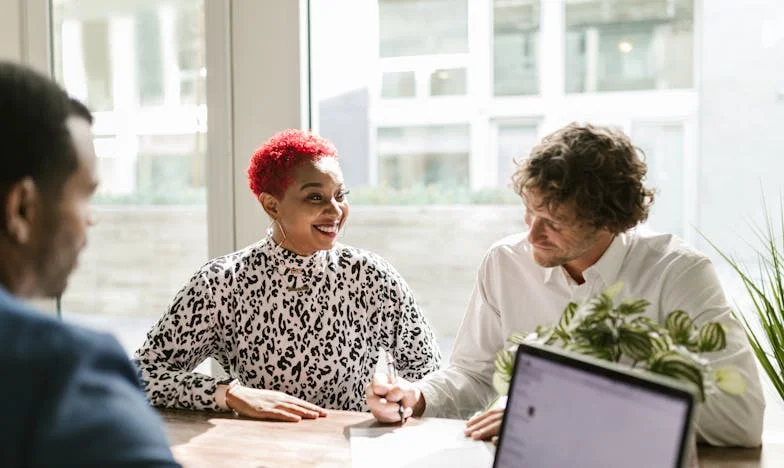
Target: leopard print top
[{"x": 310, "y": 326}]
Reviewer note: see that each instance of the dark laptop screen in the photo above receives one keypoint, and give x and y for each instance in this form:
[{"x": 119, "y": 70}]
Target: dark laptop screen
[{"x": 560, "y": 413}]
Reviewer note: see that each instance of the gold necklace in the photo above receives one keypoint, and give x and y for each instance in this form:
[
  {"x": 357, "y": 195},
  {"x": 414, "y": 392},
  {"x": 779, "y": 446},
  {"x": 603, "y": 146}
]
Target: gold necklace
[{"x": 296, "y": 272}]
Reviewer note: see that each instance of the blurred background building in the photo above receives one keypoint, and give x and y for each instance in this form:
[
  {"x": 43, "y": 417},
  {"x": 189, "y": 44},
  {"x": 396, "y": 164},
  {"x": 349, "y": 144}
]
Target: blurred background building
[{"x": 429, "y": 102}]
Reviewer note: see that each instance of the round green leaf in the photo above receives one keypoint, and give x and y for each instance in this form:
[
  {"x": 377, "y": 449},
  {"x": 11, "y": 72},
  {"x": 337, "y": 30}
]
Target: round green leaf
[
  {"x": 660, "y": 342},
  {"x": 633, "y": 307},
  {"x": 680, "y": 326},
  {"x": 517, "y": 338},
  {"x": 712, "y": 337},
  {"x": 635, "y": 343},
  {"x": 672, "y": 364},
  {"x": 729, "y": 380},
  {"x": 504, "y": 360},
  {"x": 613, "y": 290},
  {"x": 501, "y": 382}
]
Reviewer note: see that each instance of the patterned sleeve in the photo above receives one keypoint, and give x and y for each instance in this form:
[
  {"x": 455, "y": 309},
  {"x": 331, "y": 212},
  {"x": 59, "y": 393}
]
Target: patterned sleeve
[
  {"x": 181, "y": 340},
  {"x": 416, "y": 350}
]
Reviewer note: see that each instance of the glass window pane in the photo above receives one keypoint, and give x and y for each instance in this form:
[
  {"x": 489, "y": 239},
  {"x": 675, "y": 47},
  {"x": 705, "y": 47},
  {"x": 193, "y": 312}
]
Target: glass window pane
[
  {"x": 516, "y": 47},
  {"x": 129, "y": 63},
  {"x": 190, "y": 56},
  {"x": 425, "y": 152},
  {"x": 398, "y": 84},
  {"x": 617, "y": 45},
  {"x": 515, "y": 141},
  {"x": 95, "y": 49},
  {"x": 422, "y": 27},
  {"x": 662, "y": 144},
  {"x": 149, "y": 59},
  {"x": 418, "y": 157},
  {"x": 448, "y": 82}
]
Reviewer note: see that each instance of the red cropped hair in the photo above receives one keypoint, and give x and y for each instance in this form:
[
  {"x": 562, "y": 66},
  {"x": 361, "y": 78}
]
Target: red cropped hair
[{"x": 271, "y": 165}]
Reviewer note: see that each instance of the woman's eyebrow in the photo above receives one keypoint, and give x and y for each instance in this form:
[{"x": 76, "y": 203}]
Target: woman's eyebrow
[{"x": 311, "y": 184}]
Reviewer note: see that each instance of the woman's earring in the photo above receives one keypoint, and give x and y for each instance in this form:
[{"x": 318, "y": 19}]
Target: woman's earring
[{"x": 280, "y": 226}]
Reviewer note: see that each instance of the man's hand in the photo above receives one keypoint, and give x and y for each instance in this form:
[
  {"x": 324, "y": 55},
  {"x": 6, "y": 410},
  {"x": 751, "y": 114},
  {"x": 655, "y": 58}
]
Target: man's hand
[
  {"x": 485, "y": 425},
  {"x": 384, "y": 399},
  {"x": 270, "y": 405}
]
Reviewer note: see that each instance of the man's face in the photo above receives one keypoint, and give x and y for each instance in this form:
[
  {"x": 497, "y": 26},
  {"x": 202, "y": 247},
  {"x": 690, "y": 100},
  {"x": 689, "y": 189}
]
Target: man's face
[
  {"x": 558, "y": 239},
  {"x": 62, "y": 234}
]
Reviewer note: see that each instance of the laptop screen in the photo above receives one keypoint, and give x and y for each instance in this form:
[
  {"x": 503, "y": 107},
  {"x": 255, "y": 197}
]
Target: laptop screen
[{"x": 562, "y": 413}]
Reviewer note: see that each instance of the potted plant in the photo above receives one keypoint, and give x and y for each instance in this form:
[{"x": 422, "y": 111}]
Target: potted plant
[
  {"x": 764, "y": 322},
  {"x": 621, "y": 334}
]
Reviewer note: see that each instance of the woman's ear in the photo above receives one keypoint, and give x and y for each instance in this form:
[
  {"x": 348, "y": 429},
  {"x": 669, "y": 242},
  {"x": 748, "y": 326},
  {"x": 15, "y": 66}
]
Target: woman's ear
[{"x": 270, "y": 204}]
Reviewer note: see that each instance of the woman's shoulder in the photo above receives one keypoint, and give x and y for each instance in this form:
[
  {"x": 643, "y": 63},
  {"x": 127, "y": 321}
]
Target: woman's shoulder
[
  {"x": 251, "y": 257},
  {"x": 360, "y": 258}
]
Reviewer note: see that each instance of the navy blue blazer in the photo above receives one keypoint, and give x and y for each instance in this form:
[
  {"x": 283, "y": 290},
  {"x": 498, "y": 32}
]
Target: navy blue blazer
[{"x": 70, "y": 397}]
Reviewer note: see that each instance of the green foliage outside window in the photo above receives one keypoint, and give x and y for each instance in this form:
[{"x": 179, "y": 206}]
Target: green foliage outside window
[{"x": 432, "y": 195}]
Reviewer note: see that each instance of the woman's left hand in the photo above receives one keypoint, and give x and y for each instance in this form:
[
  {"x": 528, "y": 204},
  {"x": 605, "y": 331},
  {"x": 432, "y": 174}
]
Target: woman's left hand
[{"x": 270, "y": 405}]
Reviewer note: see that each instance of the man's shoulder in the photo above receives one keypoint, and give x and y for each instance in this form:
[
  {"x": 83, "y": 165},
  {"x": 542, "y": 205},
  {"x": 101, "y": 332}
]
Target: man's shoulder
[
  {"x": 662, "y": 250},
  {"x": 514, "y": 245},
  {"x": 514, "y": 241},
  {"x": 75, "y": 394},
  {"x": 664, "y": 245},
  {"x": 36, "y": 338}
]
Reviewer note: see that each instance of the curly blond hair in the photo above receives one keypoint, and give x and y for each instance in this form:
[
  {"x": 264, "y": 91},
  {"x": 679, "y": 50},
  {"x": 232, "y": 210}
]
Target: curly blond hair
[{"x": 595, "y": 170}]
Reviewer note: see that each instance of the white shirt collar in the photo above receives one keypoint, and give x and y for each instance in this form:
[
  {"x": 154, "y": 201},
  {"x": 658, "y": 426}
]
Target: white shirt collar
[{"x": 608, "y": 265}]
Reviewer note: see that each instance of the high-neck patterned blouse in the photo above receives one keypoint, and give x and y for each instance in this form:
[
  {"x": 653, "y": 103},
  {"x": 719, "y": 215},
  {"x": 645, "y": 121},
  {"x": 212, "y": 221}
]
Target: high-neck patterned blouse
[{"x": 311, "y": 327}]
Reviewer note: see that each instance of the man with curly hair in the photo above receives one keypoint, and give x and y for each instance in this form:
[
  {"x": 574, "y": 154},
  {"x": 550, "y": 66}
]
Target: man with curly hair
[{"x": 584, "y": 195}]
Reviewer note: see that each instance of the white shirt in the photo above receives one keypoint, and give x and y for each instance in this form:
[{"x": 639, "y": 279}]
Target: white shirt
[{"x": 514, "y": 294}]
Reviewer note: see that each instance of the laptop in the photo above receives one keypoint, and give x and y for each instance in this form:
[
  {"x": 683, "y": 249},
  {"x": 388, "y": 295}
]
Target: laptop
[{"x": 566, "y": 409}]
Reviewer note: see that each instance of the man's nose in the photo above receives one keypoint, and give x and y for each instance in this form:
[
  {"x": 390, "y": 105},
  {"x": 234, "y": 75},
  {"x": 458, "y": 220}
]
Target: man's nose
[{"x": 535, "y": 229}]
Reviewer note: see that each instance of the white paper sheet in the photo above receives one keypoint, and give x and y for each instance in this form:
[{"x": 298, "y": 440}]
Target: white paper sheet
[{"x": 429, "y": 442}]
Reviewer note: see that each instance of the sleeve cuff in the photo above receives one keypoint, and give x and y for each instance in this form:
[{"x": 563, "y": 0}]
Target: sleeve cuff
[
  {"x": 431, "y": 396},
  {"x": 220, "y": 394}
]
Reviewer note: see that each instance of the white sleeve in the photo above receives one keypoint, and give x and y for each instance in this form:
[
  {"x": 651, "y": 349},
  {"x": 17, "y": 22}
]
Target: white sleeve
[
  {"x": 723, "y": 419},
  {"x": 465, "y": 386}
]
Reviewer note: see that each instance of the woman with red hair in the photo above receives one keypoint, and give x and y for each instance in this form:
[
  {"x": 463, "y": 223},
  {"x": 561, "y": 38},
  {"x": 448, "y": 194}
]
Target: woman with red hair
[{"x": 296, "y": 320}]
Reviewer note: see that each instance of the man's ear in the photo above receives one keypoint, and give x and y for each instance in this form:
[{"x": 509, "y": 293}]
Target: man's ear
[
  {"x": 20, "y": 210},
  {"x": 270, "y": 204}
]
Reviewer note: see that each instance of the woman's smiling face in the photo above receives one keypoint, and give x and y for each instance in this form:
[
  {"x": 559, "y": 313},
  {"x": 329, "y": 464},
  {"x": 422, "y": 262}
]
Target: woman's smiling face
[{"x": 313, "y": 208}]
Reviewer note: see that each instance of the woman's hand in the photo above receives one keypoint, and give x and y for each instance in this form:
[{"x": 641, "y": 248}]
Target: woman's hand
[
  {"x": 486, "y": 425},
  {"x": 386, "y": 399},
  {"x": 270, "y": 405}
]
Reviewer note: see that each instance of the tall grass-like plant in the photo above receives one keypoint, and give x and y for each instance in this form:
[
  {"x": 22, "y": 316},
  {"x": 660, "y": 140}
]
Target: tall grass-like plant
[{"x": 764, "y": 323}]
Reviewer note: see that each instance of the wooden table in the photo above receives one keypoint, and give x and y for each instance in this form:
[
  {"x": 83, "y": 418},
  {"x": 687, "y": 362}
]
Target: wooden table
[
  {"x": 210, "y": 439},
  {"x": 222, "y": 439}
]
